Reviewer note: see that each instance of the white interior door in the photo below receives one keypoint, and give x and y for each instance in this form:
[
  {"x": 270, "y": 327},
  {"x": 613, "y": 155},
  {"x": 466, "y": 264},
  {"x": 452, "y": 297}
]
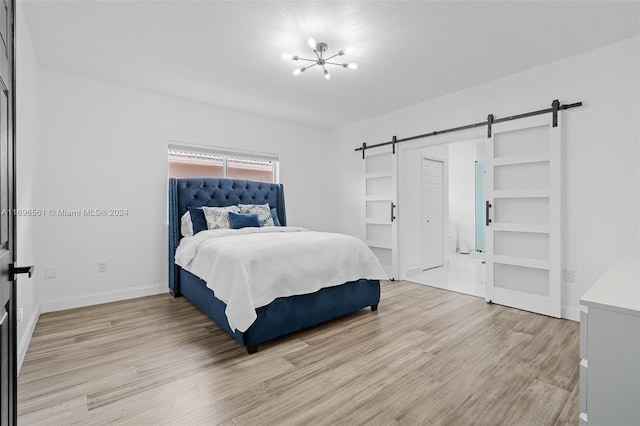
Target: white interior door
[
  {"x": 523, "y": 265},
  {"x": 432, "y": 213},
  {"x": 381, "y": 234}
]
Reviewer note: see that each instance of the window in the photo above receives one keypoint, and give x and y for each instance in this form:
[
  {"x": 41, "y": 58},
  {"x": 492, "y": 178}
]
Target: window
[
  {"x": 184, "y": 162},
  {"x": 194, "y": 164}
]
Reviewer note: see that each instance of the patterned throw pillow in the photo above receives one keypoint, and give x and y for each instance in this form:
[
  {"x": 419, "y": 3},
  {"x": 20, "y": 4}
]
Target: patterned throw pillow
[
  {"x": 218, "y": 217},
  {"x": 262, "y": 210}
]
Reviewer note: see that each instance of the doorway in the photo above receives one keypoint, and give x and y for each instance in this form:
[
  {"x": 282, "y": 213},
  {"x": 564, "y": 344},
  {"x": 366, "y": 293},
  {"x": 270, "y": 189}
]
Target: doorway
[{"x": 443, "y": 178}]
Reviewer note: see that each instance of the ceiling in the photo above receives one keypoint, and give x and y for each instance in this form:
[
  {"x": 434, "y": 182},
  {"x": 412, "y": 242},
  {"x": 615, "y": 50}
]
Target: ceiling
[{"x": 228, "y": 53}]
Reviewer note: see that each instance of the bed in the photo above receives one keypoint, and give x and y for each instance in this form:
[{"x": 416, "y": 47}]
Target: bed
[{"x": 282, "y": 316}]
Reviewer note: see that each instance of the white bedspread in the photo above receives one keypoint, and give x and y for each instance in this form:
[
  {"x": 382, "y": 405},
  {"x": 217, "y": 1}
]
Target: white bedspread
[{"x": 250, "y": 267}]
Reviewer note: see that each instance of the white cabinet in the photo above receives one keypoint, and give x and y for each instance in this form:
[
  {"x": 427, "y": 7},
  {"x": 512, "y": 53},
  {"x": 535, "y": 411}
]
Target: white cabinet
[{"x": 610, "y": 348}]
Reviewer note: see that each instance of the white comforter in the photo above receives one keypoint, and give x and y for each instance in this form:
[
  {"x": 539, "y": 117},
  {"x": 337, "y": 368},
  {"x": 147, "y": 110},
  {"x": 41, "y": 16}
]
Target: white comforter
[{"x": 250, "y": 267}]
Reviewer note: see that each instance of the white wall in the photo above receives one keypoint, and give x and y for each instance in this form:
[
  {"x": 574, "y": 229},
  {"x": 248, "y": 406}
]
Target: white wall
[
  {"x": 462, "y": 190},
  {"x": 600, "y": 152},
  {"x": 105, "y": 146},
  {"x": 26, "y": 176}
]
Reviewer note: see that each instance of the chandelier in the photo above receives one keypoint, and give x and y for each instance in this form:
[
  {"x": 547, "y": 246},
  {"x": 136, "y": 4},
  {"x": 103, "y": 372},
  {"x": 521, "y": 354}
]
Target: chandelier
[{"x": 319, "y": 49}]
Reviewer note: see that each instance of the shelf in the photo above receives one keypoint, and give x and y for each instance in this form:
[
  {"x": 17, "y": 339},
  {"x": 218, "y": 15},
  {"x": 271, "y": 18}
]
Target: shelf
[
  {"x": 377, "y": 222},
  {"x": 521, "y": 261},
  {"x": 378, "y": 244},
  {"x": 521, "y": 159},
  {"x": 517, "y": 227},
  {"x": 377, "y": 175},
  {"x": 521, "y": 193}
]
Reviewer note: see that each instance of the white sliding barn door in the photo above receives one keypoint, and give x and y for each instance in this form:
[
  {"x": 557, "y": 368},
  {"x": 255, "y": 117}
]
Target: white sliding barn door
[
  {"x": 523, "y": 253},
  {"x": 381, "y": 234}
]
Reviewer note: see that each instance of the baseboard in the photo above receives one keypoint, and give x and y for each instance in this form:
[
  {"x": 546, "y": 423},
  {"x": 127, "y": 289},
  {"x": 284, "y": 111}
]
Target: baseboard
[
  {"x": 23, "y": 345},
  {"x": 82, "y": 300},
  {"x": 409, "y": 272},
  {"x": 571, "y": 313}
]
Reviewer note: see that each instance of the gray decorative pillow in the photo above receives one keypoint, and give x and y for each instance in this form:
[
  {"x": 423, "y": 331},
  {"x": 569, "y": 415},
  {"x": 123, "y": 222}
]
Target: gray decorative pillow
[
  {"x": 218, "y": 217},
  {"x": 262, "y": 210}
]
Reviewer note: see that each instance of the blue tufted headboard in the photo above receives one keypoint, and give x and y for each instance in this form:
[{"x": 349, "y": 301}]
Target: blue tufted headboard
[{"x": 214, "y": 192}]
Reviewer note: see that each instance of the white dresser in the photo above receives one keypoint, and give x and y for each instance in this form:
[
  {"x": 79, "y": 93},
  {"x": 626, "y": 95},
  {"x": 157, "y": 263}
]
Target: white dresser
[{"x": 610, "y": 348}]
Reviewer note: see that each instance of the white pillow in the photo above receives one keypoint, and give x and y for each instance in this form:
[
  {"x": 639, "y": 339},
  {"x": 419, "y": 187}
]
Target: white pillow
[
  {"x": 262, "y": 210},
  {"x": 218, "y": 217},
  {"x": 186, "y": 226}
]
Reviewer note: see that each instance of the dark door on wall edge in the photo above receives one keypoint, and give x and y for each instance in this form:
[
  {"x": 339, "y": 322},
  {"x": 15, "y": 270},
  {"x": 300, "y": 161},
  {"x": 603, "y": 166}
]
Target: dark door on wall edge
[{"x": 8, "y": 326}]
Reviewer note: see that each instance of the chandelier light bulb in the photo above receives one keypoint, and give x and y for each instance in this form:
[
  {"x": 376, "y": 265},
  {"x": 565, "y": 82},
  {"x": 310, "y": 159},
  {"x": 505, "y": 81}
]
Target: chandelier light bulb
[
  {"x": 327, "y": 76},
  {"x": 312, "y": 43},
  {"x": 297, "y": 71},
  {"x": 287, "y": 56},
  {"x": 352, "y": 66},
  {"x": 349, "y": 50}
]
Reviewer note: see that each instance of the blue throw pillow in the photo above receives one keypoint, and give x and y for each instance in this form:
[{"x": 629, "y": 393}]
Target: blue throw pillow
[
  {"x": 274, "y": 215},
  {"x": 244, "y": 220},
  {"x": 197, "y": 219}
]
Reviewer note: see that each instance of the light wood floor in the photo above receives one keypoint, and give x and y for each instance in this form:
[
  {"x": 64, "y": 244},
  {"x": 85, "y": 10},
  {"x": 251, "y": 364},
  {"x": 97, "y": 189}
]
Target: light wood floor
[{"x": 428, "y": 356}]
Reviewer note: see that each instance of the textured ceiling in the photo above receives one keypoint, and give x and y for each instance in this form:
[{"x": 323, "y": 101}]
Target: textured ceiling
[{"x": 229, "y": 53}]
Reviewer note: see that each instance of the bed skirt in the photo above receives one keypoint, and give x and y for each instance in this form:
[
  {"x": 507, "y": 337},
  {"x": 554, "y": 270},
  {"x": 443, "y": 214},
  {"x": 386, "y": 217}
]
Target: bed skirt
[{"x": 284, "y": 315}]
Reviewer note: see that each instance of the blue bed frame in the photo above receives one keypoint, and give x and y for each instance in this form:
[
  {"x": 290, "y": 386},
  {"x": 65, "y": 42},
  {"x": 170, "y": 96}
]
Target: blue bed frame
[{"x": 282, "y": 316}]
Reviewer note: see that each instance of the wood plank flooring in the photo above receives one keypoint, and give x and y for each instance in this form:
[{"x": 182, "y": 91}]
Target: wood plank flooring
[{"x": 427, "y": 356}]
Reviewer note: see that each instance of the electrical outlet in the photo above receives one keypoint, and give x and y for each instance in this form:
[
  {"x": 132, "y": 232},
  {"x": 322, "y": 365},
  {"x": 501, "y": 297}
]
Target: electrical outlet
[
  {"x": 20, "y": 314},
  {"x": 102, "y": 266},
  {"x": 49, "y": 272},
  {"x": 569, "y": 275}
]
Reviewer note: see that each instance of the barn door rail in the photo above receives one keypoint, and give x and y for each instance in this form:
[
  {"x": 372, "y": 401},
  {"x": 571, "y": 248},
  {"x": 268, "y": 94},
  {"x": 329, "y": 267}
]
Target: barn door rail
[{"x": 491, "y": 120}]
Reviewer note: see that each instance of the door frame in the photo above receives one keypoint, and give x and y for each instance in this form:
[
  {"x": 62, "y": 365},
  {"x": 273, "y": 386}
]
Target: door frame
[{"x": 445, "y": 208}]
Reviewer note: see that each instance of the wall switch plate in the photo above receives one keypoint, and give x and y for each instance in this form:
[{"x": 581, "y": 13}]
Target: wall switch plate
[
  {"x": 102, "y": 266},
  {"x": 569, "y": 275},
  {"x": 49, "y": 272},
  {"x": 20, "y": 314}
]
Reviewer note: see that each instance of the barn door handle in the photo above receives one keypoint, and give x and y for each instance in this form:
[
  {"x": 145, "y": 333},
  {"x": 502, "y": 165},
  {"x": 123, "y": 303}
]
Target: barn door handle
[
  {"x": 486, "y": 212},
  {"x": 393, "y": 206},
  {"x": 15, "y": 270}
]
